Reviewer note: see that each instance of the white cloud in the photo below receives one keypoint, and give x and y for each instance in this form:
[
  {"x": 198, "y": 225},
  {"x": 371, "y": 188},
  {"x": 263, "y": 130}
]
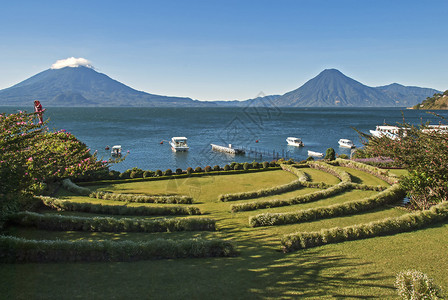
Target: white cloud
[{"x": 72, "y": 62}]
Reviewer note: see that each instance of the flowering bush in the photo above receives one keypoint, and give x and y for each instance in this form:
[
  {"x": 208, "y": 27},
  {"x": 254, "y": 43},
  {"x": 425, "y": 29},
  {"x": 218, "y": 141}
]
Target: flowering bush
[
  {"x": 31, "y": 156},
  {"x": 424, "y": 152}
]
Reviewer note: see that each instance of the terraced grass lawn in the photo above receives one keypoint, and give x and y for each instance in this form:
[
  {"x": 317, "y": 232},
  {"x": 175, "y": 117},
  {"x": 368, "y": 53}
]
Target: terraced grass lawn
[{"x": 357, "y": 269}]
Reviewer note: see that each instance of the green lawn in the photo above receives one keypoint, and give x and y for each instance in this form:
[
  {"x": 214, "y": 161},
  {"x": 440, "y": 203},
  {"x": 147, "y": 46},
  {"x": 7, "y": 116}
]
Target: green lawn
[{"x": 357, "y": 269}]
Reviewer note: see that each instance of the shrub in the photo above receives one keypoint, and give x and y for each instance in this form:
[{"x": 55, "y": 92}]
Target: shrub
[
  {"x": 19, "y": 250},
  {"x": 198, "y": 169},
  {"x": 265, "y": 165},
  {"x": 237, "y": 167},
  {"x": 70, "y": 186},
  {"x": 226, "y": 168},
  {"x": 142, "y": 198},
  {"x": 178, "y": 171},
  {"x": 168, "y": 172},
  {"x": 109, "y": 224},
  {"x": 158, "y": 173},
  {"x": 65, "y": 205},
  {"x": 124, "y": 175},
  {"x": 330, "y": 154},
  {"x": 404, "y": 223},
  {"x": 310, "y": 158},
  {"x": 261, "y": 193},
  {"x": 246, "y": 166},
  {"x": 273, "y": 163},
  {"x": 255, "y": 165},
  {"x": 216, "y": 168},
  {"x": 232, "y": 165},
  {"x": 147, "y": 174},
  {"x": 413, "y": 284},
  {"x": 114, "y": 174},
  {"x": 208, "y": 169},
  {"x": 189, "y": 170},
  {"x": 343, "y": 156}
]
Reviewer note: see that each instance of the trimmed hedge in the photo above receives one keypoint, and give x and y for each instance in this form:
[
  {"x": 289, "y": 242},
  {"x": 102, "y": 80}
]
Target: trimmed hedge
[
  {"x": 381, "y": 174},
  {"x": 294, "y": 185},
  {"x": 336, "y": 189},
  {"x": 303, "y": 177},
  {"x": 212, "y": 173},
  {"x": 389, "y": 226},
  {"x": 71, "y": 187},
  {"x": 342, "y": 175},
  {"x": 142, "y": 198},
  {"x": 391, "y": 195},
  {"x": 109, "y": 224},
  {"x": 19, "y": 250},
  {"x": 66, "y": 205}
]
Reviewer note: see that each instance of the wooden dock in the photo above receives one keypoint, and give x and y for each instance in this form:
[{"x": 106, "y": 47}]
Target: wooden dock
[{"x": 228, "y": 149}]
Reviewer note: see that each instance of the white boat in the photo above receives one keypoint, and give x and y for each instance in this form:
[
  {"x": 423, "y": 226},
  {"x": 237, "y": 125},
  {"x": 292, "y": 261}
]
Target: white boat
[
  {"x": 116, "y": 150},
  {"x": 385, "y": 130},
  {"x": 346, "y": 143},
  {"x": 315, "y": 154},
  {"x": 179, "y": 144},
  {"x": 293, "y": 141}
]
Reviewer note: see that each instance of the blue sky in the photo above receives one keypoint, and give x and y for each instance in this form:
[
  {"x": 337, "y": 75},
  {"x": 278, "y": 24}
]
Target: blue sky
[{"x": 225, "y": 50}]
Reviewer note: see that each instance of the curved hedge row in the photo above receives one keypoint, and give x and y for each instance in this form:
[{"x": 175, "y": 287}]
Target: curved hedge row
[
  {"x": 381, "y": 174},
  {"x": 142, "y": 198},
  {"x": 211, "y": 173},
  {"x": 294, "y": 185},
  {"x": 391, "y": 195},
  {"x": 340, "y": 187},
  {"x": 14, "y": 250},
  {"x": 65, "y": 205},
  {"x": 342, "y": 175},
  {"x": 389, "y": 226},
  {"x": 303, "y": 177},
  {"x": 109, "y": 224},
  {"x": 70, "y": 186}
]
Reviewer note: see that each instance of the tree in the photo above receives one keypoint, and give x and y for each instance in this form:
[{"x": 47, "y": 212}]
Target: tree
[
  {"x": 330, "y": 154},
  {"x": 31, "y": 156},
  {"x": 424, "y": 152}
]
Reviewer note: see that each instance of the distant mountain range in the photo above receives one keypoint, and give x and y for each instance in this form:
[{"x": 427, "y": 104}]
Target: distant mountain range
[{"x": 83, "y": 86}]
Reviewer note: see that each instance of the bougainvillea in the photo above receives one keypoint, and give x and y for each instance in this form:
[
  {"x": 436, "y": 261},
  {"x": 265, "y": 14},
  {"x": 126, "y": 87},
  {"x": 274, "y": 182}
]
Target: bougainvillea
[
  {"x": 31, "y": 156},
  {"x": 424, "y": 152}
]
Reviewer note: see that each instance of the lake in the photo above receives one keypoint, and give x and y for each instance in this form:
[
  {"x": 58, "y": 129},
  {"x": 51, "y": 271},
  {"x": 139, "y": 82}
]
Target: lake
[{"x": 141, "y": 131}]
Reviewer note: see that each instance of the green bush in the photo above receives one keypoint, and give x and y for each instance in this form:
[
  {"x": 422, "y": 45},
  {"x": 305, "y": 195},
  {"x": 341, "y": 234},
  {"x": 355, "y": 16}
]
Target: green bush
[
  {"x": 404, "y": 223},
  {"x": 261, "y": 193},
  {"x": 109, "y": 224},
  {"x": 19, "y": 250},
  {"x": 237, "y": 167},
  {"x": 343, "y": 156},
  {"x": 226, "y": 168},
  {"x": 142, "y": 198},
  {"x": 158, "y": 173},
  {"x": 216, "y": 168},
  {"x": 147, "y": 174},
  {"x": 246, "y": 166},
  {"x": 178, "y": 171},
  {"x": 330, "y": 154},
  {"x": 198, "y": 169},
  {"x": 168, "y": 172},
  {"x": 310, "y": 158},
  {"x": 391, "y": 195},
  {"x": 114, "y": 174},
  {"x": 255, "y": 165},
  {"x": 413, "y": 284},
  {"x": 342, "y": 175},
  {"x": 265, "y": 165},
  {"x": 65, "y": 205},
  {"x": 207, "y": 169},
  {"x": 381, "y": 174},
  {"x": 189, "y": 170},
  {"x": 232, "y": 165}
]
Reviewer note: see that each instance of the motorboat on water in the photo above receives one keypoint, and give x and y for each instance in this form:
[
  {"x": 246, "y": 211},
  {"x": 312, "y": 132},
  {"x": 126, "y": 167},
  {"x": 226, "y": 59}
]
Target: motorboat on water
[
  {"x": 315, "y": 154},
  {"x": 293, "y": 141},
  {"x": 179, "y": 144},
  {"x": 116, "y": 150},
  {"x": 391, "y": 132},
  {"x": 346, "y": 143}
]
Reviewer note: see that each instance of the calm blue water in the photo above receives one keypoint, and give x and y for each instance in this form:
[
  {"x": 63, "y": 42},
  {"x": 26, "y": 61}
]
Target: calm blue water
[{"x": 140, "y": 130}]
